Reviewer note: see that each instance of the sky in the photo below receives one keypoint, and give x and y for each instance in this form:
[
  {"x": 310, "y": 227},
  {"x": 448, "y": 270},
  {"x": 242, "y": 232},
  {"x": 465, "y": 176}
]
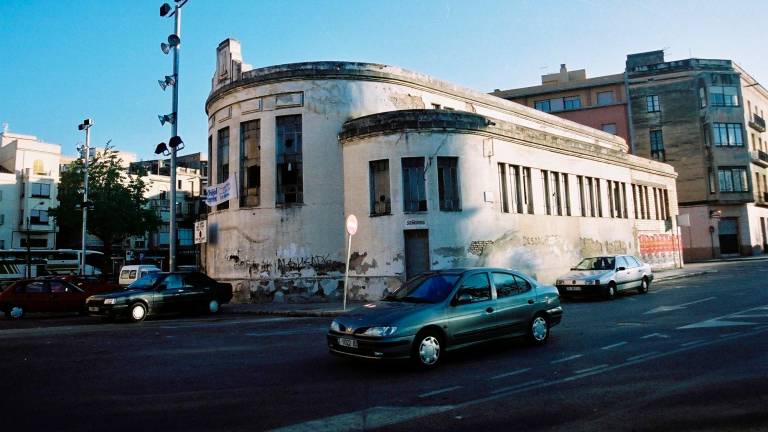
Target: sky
[{"x": 64, "y": 61}]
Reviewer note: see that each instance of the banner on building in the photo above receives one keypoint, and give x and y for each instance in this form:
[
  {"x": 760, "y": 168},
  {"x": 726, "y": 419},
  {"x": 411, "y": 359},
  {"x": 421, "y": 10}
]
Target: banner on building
[
  {"x": 222, "y": 192},
  {"x": 201, "y": 232}
]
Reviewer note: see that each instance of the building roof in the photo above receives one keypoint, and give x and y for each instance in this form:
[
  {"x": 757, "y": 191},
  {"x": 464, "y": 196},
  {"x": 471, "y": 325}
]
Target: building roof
[{"x": 559, "y": 87}]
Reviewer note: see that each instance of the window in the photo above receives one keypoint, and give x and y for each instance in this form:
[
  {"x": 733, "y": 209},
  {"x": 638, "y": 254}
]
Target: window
[
  {"x": 378, "y": 175},
  {"x": 38, "y": 167},
  {"x": 657, "y": 146},
  {"x": 589, "y": 196},
  {"x": 40, "y": 190},
  {"x": 723, "y": 96},
  {"x": 617, "y": 200},
  {"x": 477, "y": 286},
  {"x": 702, "y": 97},
  {"x": 514, "y": 187},
  {"x": 186, "y": 237},
  {"x": 222, "y": 161},
  {"x": 733, "y": 179},
  {"x": 448, "y": 183},
  {"x": 503, "y": 191},
  {"x": 290, "y": 187},
  {"x": 414, "y": 193},
  {"x": 58, "y": 287},
  {"x": 543, "y": 105},
  {"x": 2, "y": 220},
  {"x": 609, "y": 127},
  {"x": 526, "y": 193},
  {"x": 621, "y": 263},
  {"x": 435, "y": 106},
  {"x": 508, "y": 285},
  {"x": 728, "y": 134},
  {"x": 250, "y": 163},
  {"x": 38, "y": 217},
  {"x": 210, "y": 157},
  {"x": 652, "y": 103},
  {"x": 572, "y": 102},
  {"x": 605, "y": 98}
]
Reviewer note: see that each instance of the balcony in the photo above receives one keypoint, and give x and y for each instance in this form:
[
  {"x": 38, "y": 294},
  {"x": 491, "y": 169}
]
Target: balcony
[
  {"x": 759, "y": 157},
  {"x": 757, "y": 123}
]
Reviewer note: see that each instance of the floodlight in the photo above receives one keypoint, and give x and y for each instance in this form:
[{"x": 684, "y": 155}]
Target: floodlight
[
  {"x": 176, "y": 143},
  {"x": 167, "y": 118},
  {"x": 164, "y": 9},
  {"x": 170, "y": 80},
  {"x": 161, "y": 149},
  {"x": 85, "y": 124},
  {"x": 173, "y": 41}
]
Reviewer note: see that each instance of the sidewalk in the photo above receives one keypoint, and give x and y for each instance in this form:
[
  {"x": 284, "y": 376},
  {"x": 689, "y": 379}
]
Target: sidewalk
[{"x": 332, "y": 309}]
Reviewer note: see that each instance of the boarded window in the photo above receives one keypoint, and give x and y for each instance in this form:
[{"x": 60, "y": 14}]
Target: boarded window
[
  {"x": 290, "y": 182},
  {"x": 414, "y": 193},
  {"x": 448, "y": 183},
  {"x": 378, "y": 174},
  {"x": 250, "y": 163}
]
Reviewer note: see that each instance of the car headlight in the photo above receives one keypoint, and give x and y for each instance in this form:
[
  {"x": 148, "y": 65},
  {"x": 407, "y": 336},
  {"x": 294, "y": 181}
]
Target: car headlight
[
  {"x": 335, "y": 326},
  {"x": 110, "y": 301},
  {"x": 380, "y": 331}
]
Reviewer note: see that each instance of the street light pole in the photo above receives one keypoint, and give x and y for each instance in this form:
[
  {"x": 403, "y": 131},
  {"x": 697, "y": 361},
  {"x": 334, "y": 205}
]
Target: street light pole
[
  {"x": 174, "y": 130},
  {"x": 86, "y": 125}
]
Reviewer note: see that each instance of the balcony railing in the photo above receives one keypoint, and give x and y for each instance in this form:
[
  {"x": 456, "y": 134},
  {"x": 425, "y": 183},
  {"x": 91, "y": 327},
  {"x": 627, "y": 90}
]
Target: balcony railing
[
  {"x": 759, "y": 157},
  {"x": 757, "y": 123}
]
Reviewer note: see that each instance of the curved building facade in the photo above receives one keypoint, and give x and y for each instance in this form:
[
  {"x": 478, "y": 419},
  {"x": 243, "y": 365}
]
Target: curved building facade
[{"x": 437, "y": 175}]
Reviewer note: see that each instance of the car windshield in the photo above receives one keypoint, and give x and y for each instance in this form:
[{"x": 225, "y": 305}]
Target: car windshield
[
  {"x": 597, "y": 263},
  {"x": 147, "y": 281},
  {"x": 427, "y": 288}
]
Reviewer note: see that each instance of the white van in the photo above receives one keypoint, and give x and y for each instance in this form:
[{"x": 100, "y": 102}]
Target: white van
[{"x": 129, "y": 273}]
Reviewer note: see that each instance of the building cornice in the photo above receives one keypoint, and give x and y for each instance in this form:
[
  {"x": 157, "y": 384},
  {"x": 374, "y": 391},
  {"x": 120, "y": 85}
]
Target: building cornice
[
  {"x": 378, "y": 72},
  {"x": 445, "y": 121}
]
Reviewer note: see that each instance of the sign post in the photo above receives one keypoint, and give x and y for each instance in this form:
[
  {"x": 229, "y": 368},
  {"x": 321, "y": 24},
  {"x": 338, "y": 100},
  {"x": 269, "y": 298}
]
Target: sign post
[{"x": 351, "y": 230}]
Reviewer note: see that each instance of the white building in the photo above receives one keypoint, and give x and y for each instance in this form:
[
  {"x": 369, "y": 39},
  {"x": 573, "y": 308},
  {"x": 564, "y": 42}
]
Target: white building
[
  {"x": 438, "y": 176},
  {"x": 29, "y": 177}
]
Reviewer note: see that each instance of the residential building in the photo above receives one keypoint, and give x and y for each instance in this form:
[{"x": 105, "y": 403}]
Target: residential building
[
  {"x": 705, "y": 118},
  {"x": 29, "y": 177},
  {"x": 438, "y": 176}
]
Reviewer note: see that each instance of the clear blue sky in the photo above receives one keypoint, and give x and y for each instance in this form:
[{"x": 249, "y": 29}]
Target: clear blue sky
[{"x": 67, "y": 60}]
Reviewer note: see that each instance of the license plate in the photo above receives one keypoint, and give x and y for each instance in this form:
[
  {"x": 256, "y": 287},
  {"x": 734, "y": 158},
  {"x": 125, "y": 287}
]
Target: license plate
[
  {"x": 93, "y": 309},
  {"x": 351, "y": 343},
  {"x": 573, "y": 288}
]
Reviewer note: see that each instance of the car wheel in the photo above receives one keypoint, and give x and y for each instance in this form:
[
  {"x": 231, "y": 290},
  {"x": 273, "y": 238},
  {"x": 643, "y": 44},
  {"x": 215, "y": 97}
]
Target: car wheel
[
  {"x": 610, "y": 291},
  {"x": 427, "y": 350},
  {"x": 15, "y": 312},
  {"x": 538, "y": 330},
  {"x": 138, "y": 312},
  {"x": 214, "y": 307},
  {"x": 643, "y": 286}
]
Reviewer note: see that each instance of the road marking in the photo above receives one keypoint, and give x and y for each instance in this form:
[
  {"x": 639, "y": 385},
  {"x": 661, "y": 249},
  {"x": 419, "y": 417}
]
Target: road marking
[
  {"x": 309, "y": 330},
  {"x": 721, "y": 322},
  {"x": 694, "y": 342},
  {"x": 602, "y": 366},
  {"x": 508, "y": 374},
  {"x": 370, "y": 418},
  {"x": 437, "y": 392},
  {"x": 727, "y": 335},
  {"x": 677, "y": 307},
  {"x": 518, "y": 386},
  {"x": 642, "y": 356},
  {"x": 562, "y": 360},
  {"x": 614, "y": 345},
  {"x": 658, "y": 335}
]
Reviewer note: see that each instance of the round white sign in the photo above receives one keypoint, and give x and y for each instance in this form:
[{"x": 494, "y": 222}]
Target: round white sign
[{"x": 351, "y": 224}]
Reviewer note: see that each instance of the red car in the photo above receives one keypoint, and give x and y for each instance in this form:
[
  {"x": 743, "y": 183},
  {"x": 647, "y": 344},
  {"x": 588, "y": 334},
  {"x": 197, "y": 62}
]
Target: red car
[{"x": 42, "y": 295}]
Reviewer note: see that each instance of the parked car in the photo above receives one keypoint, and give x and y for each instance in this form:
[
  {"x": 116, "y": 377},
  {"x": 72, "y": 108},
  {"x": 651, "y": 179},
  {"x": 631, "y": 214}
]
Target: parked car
[
  {"x": 159, "y": 293},
  {"x": 41, "y": 295},
  {"x": 443, "y": 310},
  {"x": 605, "y": 276},
  {"x": 131, "y": 273},
  {"x": 89, "y": 284}
]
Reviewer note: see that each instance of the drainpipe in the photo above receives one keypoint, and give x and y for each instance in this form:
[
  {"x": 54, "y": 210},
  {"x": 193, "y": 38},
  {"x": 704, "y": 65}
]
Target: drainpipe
[{"x": 629, "y": 112}]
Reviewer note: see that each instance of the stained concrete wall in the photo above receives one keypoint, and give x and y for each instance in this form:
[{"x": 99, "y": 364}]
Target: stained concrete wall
[{"x": 275, "y": 252}]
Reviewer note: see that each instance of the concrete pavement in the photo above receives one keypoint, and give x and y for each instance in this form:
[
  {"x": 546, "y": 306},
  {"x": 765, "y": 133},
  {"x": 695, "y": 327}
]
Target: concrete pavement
[{"x": 335, "y": 308}]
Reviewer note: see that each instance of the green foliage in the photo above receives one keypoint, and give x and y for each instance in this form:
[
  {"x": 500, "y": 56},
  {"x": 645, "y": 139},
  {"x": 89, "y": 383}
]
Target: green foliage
[{"x": 119, "y": 206}]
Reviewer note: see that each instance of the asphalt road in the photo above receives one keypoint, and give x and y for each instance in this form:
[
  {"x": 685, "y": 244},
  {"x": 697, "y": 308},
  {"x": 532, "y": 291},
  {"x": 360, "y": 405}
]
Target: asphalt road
[{"x": 690, "y": 355}]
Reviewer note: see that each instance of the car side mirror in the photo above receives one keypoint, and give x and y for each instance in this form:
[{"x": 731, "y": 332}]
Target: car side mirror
[
  {"x": 462, "y": 299},
  {"x": 621, "y": 269}
]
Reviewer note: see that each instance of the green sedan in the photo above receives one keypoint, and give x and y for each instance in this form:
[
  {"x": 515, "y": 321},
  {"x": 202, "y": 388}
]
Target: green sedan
[{"x": 444, "y": 310}]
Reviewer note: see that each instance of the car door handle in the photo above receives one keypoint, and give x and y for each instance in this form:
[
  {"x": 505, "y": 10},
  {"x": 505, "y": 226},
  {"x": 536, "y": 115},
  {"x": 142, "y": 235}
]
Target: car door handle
[
  {"x": 489, "y": 310},
  {"x": 530, "y": 301}
]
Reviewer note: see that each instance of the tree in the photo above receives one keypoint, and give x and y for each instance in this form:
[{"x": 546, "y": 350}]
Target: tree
[{"x": 119, "y": 206}]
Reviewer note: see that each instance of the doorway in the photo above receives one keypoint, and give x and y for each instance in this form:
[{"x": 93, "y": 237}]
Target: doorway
[
  {"x": 728, "y": 230},
  {"x": 416, "y": 252}
]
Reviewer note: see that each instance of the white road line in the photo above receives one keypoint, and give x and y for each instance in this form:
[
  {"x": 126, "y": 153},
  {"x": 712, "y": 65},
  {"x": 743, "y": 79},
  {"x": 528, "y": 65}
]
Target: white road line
[
  {"x": 437, "y": 392},
  {"x": 518, "y": 386},
  {"x": 694, "y": 342},
  {"x": 642, "y": 356},
  {"x": 659, "y": 335},
  {"x": 508, "y": 374},
  {"x": 761, "y": 328},
  {"x": 716, "y": 322},
  {"x": 602, "y": 366},
  {"x": 727, "y": 335},
  {"x": 286, "y": 332},
  {"x": 562, "y": 360},
  {"x": 614, "y": 345}
]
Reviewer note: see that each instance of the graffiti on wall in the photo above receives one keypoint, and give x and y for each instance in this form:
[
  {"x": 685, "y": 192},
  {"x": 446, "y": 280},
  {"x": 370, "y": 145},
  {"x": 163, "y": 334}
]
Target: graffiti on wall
[
  {"x": 658, "y": 243},
  {"x": 321, "y": 264},
  {"x": 477, "y": 247}
]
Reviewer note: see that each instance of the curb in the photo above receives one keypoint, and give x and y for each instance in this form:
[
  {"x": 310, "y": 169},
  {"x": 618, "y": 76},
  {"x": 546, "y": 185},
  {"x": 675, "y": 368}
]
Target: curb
[{"x": 685, "y": 275}]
